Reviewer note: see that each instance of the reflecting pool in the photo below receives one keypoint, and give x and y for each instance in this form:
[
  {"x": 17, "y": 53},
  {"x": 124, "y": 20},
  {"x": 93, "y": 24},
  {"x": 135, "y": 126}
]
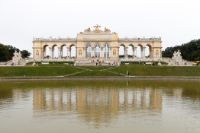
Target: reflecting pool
[{"x": 100, "y": 106}]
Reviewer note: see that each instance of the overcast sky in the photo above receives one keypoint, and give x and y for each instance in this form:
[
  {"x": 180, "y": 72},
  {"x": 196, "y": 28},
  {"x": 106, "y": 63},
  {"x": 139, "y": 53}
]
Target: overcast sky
[{"x": 175, "y": 21}]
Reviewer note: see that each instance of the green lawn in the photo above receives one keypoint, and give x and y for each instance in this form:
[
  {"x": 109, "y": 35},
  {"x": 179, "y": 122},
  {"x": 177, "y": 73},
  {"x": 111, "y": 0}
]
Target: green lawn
[
  {"x": 142, "y": 70},
  {"x": 67, "y": 70},
  {"x": 37, "y": 71}
]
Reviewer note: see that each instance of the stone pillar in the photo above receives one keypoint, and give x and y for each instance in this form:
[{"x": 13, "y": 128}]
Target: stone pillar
[
  {"x": 135, "y": 52},
  {"x": 143, "y": 52},
  {"x": 93, "y": 52},
  {"x": 59, "y": 52},
  {"x": 126, "y": 52},
  {"x": 68, "y": 52},
  {"x": 109, "y": 52},
  {"x": 104, "y": 53},
  {"x": 101, "y": 52},
  {"x": 85, "y": 51},
  {"x": 42, "y": 53},
  {"x": 150, "y": 53},
  {"x": 76, "y": 51},
  {"x": 51, "y": 52}
]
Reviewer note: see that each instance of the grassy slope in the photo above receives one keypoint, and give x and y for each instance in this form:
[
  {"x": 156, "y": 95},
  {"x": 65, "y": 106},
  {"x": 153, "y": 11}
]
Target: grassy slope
[
  {"x": 37, "y": 71},
  {"x": 141, "y": 70},
  {"x": 136, "y": 70}
]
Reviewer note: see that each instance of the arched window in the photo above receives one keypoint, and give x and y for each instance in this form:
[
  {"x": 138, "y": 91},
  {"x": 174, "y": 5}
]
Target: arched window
[
  {"x": 122, "y": 51},
  {"x": 88, "y": 51},
  {"x": 139, "y": 51},
  {"x": 73, "y": 50},
  {"x": 46, "y": 51},
  {"x": 147, "y": 51},
  {"x": 64, "y": 51},
  {"x": 55, "y": 51},
  {"x": 97, "y": 51},
  {"x": 130, "y": 50}
]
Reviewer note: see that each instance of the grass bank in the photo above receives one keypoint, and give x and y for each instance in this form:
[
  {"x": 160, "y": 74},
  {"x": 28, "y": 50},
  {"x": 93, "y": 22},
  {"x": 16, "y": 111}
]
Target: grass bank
[
  {"x": 123, "y": 70},
  {"x": 37, "y": 71}
]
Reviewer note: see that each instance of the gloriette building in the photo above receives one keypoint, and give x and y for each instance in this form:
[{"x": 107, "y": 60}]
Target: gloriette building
[{"x": 96, "y": 46}]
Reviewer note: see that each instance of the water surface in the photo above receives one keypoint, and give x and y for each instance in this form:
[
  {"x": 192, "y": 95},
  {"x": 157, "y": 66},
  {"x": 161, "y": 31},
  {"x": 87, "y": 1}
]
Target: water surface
[{"x": 100, "y": 106}]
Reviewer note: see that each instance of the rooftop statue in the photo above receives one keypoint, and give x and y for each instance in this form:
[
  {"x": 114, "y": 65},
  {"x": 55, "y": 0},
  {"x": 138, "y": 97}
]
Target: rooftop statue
[
  {"x": 107, "y": 30},
  {"x": 87, "y": 30},
  {"x": 97, "y": 28}
]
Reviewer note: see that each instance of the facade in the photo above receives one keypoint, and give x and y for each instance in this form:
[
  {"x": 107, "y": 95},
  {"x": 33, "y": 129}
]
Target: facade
[{"x": 94, "y": 45}]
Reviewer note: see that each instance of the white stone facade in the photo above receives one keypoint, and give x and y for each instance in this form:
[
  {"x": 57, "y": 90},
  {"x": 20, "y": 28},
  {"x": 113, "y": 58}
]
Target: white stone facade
[{"x": 95, "y": 44}]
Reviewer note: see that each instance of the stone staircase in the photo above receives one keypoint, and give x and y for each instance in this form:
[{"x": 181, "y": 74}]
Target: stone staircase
[{"x": 95, "y": 62}]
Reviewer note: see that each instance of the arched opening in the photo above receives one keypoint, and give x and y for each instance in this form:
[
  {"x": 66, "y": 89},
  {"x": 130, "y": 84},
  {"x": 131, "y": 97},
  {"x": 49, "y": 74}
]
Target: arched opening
[
  {"x": 46, "y": 51},
  {"x": 88, "y": 51},
  {"x": 106, "y": 51},
  {"x": 130, "y": 51},
  {"x": 63, "y": 51},
  {"x": 139, "y": 51},
  {"x": 97, "y": 51},
  {"x": 55, "y": 51},
  {"x": 122, "y": 51},
  {"x": 147, "y": 51},
  {"x": 73, "y": 50}
]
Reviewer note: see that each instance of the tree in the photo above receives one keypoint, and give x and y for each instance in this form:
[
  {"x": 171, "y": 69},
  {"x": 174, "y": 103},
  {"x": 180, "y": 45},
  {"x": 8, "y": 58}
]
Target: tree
[
  {"x": 7, "y": 52},
  {"x": 25, "y": 54},
  {"x": 4, "y": 53},
  {"x": 190, "y": 51},
  {"x": 11, "y": 51}
]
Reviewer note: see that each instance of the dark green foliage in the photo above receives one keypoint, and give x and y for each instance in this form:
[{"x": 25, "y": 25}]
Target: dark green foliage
[
  {"x": 7, "y": 51},
  {"x": 4, "y": 53},
  {"x": 190, "y": 51},
  {"x": 25, "y": 54}
]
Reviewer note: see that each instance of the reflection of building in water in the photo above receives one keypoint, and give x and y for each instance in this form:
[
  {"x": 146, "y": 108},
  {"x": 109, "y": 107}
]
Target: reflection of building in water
[
  {"x": 39, "y": 99},
  {"x": 97, "y": 105}
]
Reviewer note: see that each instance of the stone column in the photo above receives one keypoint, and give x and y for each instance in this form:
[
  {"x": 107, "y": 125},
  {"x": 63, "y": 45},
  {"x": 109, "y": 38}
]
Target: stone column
[
  {"x": 101, "y": 52},
  {"x": 143, "y": 52},
  {"x": 59, "y": 52},
  {"x": 51, "y": 52},
  {"x": 68, "y": 52},
  {"x": 93, "y": 52},
  {"x": 150, "y": 53},
  {"x": 135, "y": 52},
  {"x": 126, "y": 52},
  {"x": 76, "y": 51},
  {"x": 109, "y": 52},
  {"x": 85, "y": 48},
  {"x": 84, "y": 52},
  {"x": 43, "y": 53}
]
